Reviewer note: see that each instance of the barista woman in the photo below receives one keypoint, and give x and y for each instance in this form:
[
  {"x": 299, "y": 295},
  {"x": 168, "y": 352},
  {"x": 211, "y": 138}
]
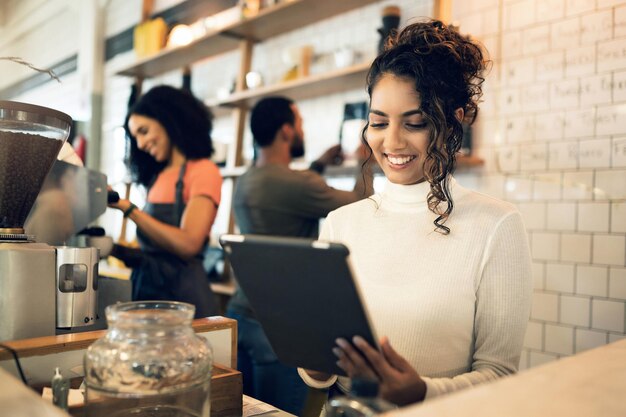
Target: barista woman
[
  {"x": 444, "y": 271},
  {"x": 169, "y": 133}
]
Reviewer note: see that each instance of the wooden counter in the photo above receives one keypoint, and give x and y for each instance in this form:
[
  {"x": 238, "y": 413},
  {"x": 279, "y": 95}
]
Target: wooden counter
[
  {"x": 592, "y": 383},
  {"x": 16, "y": 400},
  {"x": 40, "y": 355}
]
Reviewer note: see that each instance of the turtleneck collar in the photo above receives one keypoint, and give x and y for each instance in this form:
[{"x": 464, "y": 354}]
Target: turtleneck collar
[{"x": 414, "y": 194}]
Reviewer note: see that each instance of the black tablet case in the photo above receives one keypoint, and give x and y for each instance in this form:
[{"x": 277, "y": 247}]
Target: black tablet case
[{"x": 303, "y": 294}]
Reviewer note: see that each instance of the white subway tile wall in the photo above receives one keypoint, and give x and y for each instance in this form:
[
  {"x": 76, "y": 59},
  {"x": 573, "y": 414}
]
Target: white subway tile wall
[
  {"x": 618, "y": 217},
  {"x": 591, "y": 280},
  {"x": 561, "y": 216},
  {"x": 538, "y": 271},
  {"x": 559, "y": 339},
  {"x": 561, "y": 150},
  {"x": 575, "y": 7},
  {"x": 545, "y": 307},
  {"x": 595, "y": 90},
  {"x": 563, "y": 155},
  {"x": 575, "y": 311},
  {"x": 540, "y": 358},
  {"x": 575, "y": 247},
  {"x": 610, "y": 185},
  {"x": 534, "y": 335},
  {"x": 589, "y": 339},
  {"x": 620, "y": 22},
  {"x": 618, "y": 153},
  {"x": 534, "y": 215},
  {"x": 614, "y": 337},
  {"x": 578, "y": 185},
  {"x": 609, "y": 249},
  {"x": 545, "y": 246},
  {"x": 617, "y": 283},
  {"x": 593, "y": 217},
  {"x": 595, "y": 153},
  {"x": 619, "y": 86},
  {"x": 607, "y": 315},
  {"x": 560, "y": 278}
]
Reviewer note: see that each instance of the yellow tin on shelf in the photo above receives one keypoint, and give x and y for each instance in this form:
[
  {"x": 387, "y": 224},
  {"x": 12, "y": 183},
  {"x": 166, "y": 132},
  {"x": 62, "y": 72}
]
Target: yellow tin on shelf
[{"x": 149, "y": 37}]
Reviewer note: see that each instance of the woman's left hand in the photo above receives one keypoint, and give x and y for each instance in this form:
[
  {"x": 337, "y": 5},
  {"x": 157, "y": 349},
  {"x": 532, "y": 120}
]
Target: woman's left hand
[{"x": 399, "y": 382}]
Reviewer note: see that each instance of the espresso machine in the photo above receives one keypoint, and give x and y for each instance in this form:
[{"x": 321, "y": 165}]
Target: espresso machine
[{"x": 42, "y": 287}]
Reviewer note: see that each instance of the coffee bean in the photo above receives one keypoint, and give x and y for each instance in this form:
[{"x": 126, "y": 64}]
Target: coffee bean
[{"x": 25, "y": 160}]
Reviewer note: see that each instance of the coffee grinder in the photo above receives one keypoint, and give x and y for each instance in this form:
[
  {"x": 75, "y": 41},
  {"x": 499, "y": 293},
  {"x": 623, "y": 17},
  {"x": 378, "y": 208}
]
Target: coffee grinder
[{"x": 37, "y": 281}]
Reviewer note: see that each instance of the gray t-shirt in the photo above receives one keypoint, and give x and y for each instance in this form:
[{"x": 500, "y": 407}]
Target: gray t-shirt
[{"x": 276, "y": 200}]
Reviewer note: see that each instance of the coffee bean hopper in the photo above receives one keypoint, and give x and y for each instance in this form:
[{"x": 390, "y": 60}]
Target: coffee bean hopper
[{"x": 41, "y": 287}]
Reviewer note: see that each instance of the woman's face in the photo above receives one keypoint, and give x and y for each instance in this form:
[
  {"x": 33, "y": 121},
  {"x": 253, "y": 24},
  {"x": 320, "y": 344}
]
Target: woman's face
[
  {"x": 398, "y": 133},
  {"x": 151, "y": 137}
]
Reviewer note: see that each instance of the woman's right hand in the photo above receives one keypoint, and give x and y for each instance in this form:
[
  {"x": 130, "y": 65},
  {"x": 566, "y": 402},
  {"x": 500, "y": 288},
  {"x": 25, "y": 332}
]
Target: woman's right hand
[{"x": 120, "y": 204}]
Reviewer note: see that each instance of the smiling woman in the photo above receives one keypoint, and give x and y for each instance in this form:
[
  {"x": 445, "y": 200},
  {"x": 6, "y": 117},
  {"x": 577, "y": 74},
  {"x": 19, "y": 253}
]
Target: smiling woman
[
  {"x": 454, "y": 263},
  {"x": 151, "y": 137},
  {"x": 397, "y": 131},
  {"x": 169, "y": 134}
]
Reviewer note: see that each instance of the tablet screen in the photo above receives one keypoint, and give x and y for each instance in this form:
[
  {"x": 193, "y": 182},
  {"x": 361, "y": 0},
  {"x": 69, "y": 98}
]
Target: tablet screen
[{"x": 303, "y": 294}]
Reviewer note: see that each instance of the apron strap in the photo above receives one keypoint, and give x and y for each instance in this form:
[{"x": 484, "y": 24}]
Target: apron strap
[{"x": 179, "y": 205}]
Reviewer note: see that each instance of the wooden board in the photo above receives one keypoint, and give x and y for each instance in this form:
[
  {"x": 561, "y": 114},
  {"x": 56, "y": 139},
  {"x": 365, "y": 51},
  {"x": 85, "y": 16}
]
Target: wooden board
[{"x": 226, "y": 393}]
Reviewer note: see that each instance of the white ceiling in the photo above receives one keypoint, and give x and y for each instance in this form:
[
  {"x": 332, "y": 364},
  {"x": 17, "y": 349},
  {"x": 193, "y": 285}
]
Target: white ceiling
[{"x": 21, "y": 16}]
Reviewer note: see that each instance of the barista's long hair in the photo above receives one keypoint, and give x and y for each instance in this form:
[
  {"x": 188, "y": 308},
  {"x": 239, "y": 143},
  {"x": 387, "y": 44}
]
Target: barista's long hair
[
  {"x": 187, "y": 121},
  {"x": 447, "y": 69}
]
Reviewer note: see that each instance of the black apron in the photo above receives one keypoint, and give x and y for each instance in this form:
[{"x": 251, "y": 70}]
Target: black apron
[{"x": 163, "y": 275}]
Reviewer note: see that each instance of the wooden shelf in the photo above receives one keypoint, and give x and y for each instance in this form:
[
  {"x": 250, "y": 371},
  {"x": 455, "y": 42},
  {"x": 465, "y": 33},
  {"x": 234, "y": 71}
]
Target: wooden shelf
[
  {"x": 334, "y": 81},
  {"x": 463, "y": 161},
  {"x": 46, "y": 345},
  {"x": 269, "y": 22}
]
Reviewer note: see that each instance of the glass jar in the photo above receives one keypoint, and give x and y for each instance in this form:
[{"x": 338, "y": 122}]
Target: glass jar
[
  {"x": 362, "y": 401},
  {"x": 149, "y": 363}
]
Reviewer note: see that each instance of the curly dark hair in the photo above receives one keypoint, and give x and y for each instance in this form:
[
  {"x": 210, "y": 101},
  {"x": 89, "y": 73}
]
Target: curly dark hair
[
  {"x": 447, "y": 69},
  {"x": 187, "y": 121}
]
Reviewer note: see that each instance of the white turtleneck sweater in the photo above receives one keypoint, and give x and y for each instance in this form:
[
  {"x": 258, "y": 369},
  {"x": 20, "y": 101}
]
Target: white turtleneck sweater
[{"x": 454, "y": 306}]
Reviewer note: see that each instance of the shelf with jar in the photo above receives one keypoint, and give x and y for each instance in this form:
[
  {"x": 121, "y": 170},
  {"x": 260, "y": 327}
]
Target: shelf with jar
[
  {"x": 224, "y": 35},
  {"x": 303, "y": 88}
]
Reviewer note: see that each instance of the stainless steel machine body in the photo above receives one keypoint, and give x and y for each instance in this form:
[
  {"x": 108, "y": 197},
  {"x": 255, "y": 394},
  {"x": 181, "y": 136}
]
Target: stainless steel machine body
[
  {"x": 76, "y": 286},
  {"x": 27, "y": 288}
]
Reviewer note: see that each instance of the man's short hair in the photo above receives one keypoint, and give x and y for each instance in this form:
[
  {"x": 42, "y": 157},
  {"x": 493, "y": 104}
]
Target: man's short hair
[{"x": 268, "y": 116}]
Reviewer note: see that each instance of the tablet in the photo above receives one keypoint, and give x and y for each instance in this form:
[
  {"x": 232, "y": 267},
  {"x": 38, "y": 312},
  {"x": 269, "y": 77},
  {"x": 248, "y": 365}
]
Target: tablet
[{"x": 303, "y": 294}]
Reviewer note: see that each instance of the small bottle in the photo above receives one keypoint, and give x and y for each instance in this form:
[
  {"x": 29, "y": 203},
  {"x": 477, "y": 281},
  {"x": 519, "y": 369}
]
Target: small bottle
[
  {"x": 60, "y": 390},
  {"x": 391, "y": 22},
  {"x": 362, "y": 401}
]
